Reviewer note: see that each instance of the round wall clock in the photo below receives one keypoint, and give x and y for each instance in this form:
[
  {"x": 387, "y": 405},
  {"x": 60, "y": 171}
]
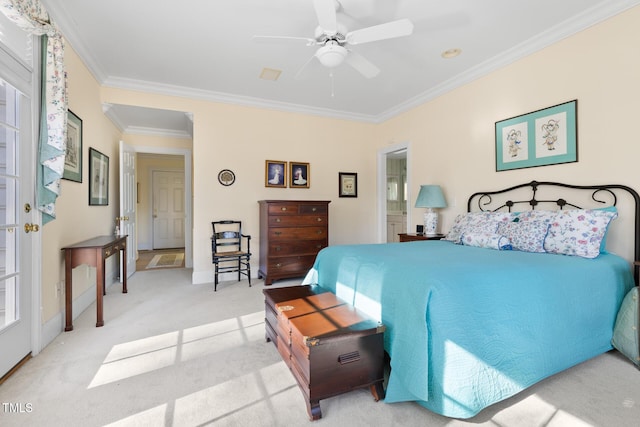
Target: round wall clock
[{"x": 226, "y": 177}]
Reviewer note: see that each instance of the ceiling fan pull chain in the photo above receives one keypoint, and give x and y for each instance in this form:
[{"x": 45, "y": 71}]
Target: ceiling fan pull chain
[{"x": 332, "y": 86}]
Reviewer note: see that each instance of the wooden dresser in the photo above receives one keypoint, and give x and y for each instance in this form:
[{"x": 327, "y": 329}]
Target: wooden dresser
[
  {"x": 329, "y": 346},
  {"x": 292, "y": 232}
]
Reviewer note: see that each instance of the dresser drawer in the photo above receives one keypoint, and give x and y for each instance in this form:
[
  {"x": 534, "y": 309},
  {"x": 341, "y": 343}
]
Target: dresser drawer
[
  {"x": 294, "y": 264},
  {"x": 297, "y": 220},
  {"x": 283, "y": 208},
  {"x": 304, "y": 233},
  {"x": 314, "y": 209},
  {"x": 296, "y": 247}
]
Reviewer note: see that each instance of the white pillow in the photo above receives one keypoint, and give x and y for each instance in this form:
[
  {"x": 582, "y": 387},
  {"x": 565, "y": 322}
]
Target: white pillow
[
  {"x": 486, "y": 240},
  {"x": 578, "y": 232}
]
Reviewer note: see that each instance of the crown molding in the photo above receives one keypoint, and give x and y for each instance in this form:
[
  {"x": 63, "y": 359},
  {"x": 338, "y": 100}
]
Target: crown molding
[{"x": 604, "y": 10}]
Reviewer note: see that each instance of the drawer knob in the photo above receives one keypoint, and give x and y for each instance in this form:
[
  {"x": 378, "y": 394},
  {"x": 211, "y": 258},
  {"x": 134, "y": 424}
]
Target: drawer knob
[
  {"x": 314, "y": 209},
  {"x": 278, "y": 220},
  {"x": 319, "y": 219},
  {"x": 283, "y": 208},
  {"x": 277, "y": 233},
  {"x": 278, "y": 265},
  {"x": 319, "y": 231},
  {"x": 278, "y": 248}
]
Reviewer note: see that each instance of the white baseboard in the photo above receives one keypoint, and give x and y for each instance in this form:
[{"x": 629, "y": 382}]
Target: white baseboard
[{"x": 55, "y": 326}]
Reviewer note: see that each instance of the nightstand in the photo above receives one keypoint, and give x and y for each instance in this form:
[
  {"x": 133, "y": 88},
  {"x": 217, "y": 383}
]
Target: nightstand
[{"x": 410, "y": 237}]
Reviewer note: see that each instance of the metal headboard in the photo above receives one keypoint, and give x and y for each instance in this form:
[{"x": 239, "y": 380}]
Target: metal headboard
[{"x": 485, "y": 201}]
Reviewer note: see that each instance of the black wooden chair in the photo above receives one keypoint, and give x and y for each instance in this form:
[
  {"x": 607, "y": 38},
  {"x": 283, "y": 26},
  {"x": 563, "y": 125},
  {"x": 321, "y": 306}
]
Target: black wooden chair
[{"x": 227, "y": 249}]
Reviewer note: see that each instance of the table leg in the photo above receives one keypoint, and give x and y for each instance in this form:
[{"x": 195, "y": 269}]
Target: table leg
[
  {"x": 100, "y": 289},
  {"x": 124, "y": 269},
  {"x": 68, "y": 299}
]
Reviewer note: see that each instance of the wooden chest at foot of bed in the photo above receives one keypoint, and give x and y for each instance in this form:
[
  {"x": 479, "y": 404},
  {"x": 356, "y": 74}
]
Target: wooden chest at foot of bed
[{"x": 330, "y": 347}]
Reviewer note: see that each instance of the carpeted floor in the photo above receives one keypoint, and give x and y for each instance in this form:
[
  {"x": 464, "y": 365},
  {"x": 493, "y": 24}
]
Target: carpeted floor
[{"x": 176, "y": 354}]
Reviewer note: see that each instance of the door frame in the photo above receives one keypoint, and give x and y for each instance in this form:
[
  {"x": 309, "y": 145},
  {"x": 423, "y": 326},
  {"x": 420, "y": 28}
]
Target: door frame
[
  {"x": 382, "y": 186},
  {"x": 188, "y": 208}
]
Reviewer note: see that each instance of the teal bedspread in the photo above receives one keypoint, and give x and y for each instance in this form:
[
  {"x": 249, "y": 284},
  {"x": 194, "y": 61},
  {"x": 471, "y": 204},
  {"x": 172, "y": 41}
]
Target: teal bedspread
[{"x": 468, "y": 327}]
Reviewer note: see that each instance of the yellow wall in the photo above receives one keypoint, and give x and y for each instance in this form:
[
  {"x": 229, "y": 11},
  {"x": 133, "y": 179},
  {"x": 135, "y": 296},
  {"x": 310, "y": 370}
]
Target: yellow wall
[
  {"x": 76, "y": 220},
  {"x": 451, "y": 138}
]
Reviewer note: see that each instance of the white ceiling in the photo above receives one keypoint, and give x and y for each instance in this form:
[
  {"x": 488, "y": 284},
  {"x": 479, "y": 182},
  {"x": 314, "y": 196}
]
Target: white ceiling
[{"x": 204, "y": 49}]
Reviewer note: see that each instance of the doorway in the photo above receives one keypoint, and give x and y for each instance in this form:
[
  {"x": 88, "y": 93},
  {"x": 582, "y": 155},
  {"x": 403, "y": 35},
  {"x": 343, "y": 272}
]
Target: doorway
[
  {"x": 168, "y": 209},
  {"x": 150, "y": 159},
  {"x": 394, "y": 196}
]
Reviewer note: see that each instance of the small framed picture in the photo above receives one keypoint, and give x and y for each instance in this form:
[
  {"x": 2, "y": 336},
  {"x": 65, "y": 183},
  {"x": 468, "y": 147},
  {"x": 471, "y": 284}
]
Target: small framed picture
[
  {"x": 275, "y": 174},
  {"x": 98, "y": 178},
  {"x": 347, "y": 184},
  {"x": 299, "y": 175},
  {"x": 73, "y": 155}
]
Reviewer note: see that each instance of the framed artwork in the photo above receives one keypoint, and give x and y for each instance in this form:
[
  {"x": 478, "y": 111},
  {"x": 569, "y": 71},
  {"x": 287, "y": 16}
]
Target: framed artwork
[
  {"x": 299, "y": 175},
  {"x": 540, "y": 138},
  {"x": 347, "y": 184},
  {"x": 73, "y": 154},
  {"x": 275, "y": 174},
  {"x": 98, "y": 178}
]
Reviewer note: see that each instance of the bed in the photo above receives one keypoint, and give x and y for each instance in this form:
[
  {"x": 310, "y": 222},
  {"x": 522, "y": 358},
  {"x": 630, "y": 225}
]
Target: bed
[{"x": 469, "y": 325}]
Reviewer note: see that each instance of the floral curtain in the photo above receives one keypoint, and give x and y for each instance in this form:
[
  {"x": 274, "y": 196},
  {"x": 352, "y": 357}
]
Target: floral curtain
[{"x": 31, "y": 16}]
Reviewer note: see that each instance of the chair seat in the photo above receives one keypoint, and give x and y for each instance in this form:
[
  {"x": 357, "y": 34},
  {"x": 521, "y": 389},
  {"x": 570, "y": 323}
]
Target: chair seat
[{"x": 230, "y": 254}]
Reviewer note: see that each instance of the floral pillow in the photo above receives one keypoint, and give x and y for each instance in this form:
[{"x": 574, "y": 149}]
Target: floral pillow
[
  {"x": 486, "y": 240},
  {"x": 527, "y": 236},
  {"x": 544, "y": 216},
  {"x": 476, "y": 222},
  {"x": 578, "y": 232}
]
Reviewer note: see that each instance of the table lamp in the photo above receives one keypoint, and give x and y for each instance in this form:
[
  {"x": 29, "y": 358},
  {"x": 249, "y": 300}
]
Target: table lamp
[{"x": 430, "y": 197}]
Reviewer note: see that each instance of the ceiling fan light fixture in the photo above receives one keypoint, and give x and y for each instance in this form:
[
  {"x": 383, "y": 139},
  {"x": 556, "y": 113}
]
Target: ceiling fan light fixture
[{"x": 331, "y": 54}]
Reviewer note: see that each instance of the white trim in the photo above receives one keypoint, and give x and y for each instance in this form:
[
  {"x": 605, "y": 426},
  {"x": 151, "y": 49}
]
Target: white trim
[{"x": 382, "y": 187}]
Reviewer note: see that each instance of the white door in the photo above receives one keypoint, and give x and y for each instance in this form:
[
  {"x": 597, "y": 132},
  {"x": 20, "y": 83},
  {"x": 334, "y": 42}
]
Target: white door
[
  {"x": 16, "y": 203},
  {"x": 127, "y": 219},
  {"x": 168, "y": 209}
]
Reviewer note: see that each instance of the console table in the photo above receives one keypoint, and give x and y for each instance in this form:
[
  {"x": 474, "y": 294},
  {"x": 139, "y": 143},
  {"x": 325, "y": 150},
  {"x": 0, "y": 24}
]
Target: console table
[{"x": 92, "y": 252}]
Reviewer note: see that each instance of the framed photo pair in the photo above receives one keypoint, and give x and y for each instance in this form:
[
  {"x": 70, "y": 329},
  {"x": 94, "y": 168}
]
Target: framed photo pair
[
  {"x": 540, "y": 138},
  {"x": 280, "y": 174}
]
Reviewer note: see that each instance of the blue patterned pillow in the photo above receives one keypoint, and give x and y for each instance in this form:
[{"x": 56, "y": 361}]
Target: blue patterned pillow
[
  {"x": 578, "y": 232},
  {"x": 476, "y": 222},
  {"x": 526, "y": 236}
]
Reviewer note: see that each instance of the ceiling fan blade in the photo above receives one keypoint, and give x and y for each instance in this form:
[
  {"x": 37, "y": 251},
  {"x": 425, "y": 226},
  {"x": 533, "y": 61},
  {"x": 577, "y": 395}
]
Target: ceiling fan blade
[
  {"x": 390, "y": 30},
  {"x": 362, "y": 65},
  {"x": 284, "y": 39},
  {"x": 326, "y": 12},
  {"x": 300, "y": 74}
]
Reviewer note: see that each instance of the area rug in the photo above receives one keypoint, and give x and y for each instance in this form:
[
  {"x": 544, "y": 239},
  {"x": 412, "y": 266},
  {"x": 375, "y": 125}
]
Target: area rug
[{"x": 166, "y": 260}]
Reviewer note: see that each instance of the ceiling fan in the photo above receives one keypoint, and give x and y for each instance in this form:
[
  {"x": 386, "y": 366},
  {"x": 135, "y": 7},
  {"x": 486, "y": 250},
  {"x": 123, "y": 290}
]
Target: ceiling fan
[{"x": 332, "y": 37}]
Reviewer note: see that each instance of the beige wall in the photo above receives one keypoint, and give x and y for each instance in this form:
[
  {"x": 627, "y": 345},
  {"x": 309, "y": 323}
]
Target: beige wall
[
  {"x": 76, "y": 220},
  {"x": 451, "y": 139}
]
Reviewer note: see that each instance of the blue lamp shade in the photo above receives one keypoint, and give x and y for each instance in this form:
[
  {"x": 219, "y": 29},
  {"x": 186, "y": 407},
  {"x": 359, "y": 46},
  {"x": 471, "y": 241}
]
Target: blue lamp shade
[{"x": 430, "y": 196}]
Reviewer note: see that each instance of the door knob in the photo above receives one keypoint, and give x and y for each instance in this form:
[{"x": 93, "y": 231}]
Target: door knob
[{"x": 31, "y": 227}]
